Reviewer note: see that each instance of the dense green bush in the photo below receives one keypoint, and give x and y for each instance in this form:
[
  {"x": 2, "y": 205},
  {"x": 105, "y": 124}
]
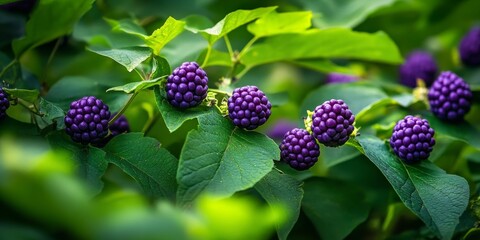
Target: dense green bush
[{"x": 191, "y": 173}]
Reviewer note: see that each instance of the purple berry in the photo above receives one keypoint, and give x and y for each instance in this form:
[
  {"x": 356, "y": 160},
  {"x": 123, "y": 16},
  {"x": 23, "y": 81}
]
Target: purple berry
[
  {"x": 470, "y": 48},
  {"x": 4, "y": 103},
  {"x": 87, "y": 120},
  {"x": 450, "y": 97},
  {"x": 412, "y": 139},
  {"x": 299, "y": 149},
  {"x": 187, "y": 86},
  {"x": 332, "y": 123},
  {"x": 116, "y": 128},
  {"x": 248, "y": 107},
  {"x": 339, "y": 78},
  {"x": 418, "y": 65},
  {"x": 278, "y": 130},
  {"x": 119, "y": 126}
]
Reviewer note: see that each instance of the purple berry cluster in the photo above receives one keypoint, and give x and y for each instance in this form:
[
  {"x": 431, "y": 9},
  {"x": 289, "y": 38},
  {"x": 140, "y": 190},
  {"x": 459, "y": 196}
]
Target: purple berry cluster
[
  {"x": 339, "y": 78},
  {"x": 4, "y": 103},
  {"x": 187, "y": 86},
  {"x": 119, "y": 126},
  {"x": 299, "y": 149},
  {"x": 332, "y": 123},
  {"x": 418, "y": 65},
  {"x": 248, "y": 107},
  {"x": 470, "y": 48},
  {"x": 450, "y": 97},
  {"x": 412, "y": 139},
  {"x": 87, "y": 120},
  {"x": 116, "y": 128}
]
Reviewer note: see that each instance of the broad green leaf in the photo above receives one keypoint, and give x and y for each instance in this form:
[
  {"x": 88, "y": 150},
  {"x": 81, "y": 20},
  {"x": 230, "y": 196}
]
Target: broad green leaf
[
  {"x": 334, "y": 207},
  {"x": 357, "y": 96},
  {"x": 324, "y": 65},
  {"x": 69, "y": 89},
  {"x": 160, "y": 37},
  {"x": 143, "y": 158},
  {"x": 51, "y": 114},
  {"x": 278, "y": 99},
  {"x": 284, "y": 190},
  {"x": 438, "y": 198},
  {"x": 462, "y": 131},
  {"x": 28, "y": 95},
  {"x": 278, "y": 23},
  {"x": 342, "y": 13},
  {"x": 371, "y": 109},
  {"x": 334, "y": 156},
  {"x": 129, "y": 57},
  {"x": 329, "y": 43},
  {"x": 183, "y": 48},
  {"x": 127, "y": 26},
  {"x": 232, "y": 21},
  {"x": 174, "y": 117},
  {"x": 221, "y": 159},
  {"x": 91, "y": 163},
  {"x": 193, "y": 23},
  {"x": 49, "y": 20},
  {"x": 136, "y": 86}
]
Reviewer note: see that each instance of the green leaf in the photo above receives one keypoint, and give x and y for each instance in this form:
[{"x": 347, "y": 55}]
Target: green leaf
[
  {"x": 136, "y": 86},
  {"x": 91, "y": 163},
  {"x": 28, "y": 95},
  {"x": 160, "y": 37},
  {"x": 174, "y": 117},
  {"x": 278, "y": 23},
  {"x": 329, "y": 43},
  {"x": 51, "y": 114},
  {"x": 342, "y": 13},
  {"x": 438, "y": 198},
  {"x": 324, "y": 65},
  {"x": 152, "y": 166},
  {"x": 127, "y": 26},
  {"x": 221, "y": 159},
  {"x": 334, "y": 207},
  {"x": 69, "y": 89},
  {"x": 338, "y": 155},
  {"x": 49, "y": 20},
  {"x": 356, "y": 95},
  {"x": 129, "y": 57},
  {"x": 232, "y": 21},
  {"x": 463, "y": 131},
  {"x": 284, "y": 190}
]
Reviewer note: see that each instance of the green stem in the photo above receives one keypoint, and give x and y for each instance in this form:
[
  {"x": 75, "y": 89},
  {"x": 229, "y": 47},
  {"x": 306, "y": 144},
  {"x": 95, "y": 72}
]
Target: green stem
[
  {"x": 219, "y": 91},
  {"x": 119, "y": 113},
  {"x": 229, "y": 46},
  {"x": 247, "y": 46},
  {"x": 207, "y": 56},
  {"x": 243, "y": 72},
  {"x": 9, "y": 65},
  {"x": 21, "y": 102},
  {"x": 149, "y": 125},
  {"x": 50, "y": 59}
]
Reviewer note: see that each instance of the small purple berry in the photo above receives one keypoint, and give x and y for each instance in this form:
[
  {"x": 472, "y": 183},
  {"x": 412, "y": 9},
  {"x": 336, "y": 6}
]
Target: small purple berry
[
  {"x": 332, "y": 123},
  {"x": 87, "y": 120},
  {"x": 278, "y": 130},
  {"x": 412, "y": 139},
  {"x": 450, "y": 97},
  {"x": 339, "y": 78},
  {"x": 248, "y": 107},
  {"x": 187, "y": 86},
  {"x": 470, "y": 48},
  {"x": 418, "y": 65},
  {"x": 299, "y": 149},
  {"x": 4, "y": 103}
]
